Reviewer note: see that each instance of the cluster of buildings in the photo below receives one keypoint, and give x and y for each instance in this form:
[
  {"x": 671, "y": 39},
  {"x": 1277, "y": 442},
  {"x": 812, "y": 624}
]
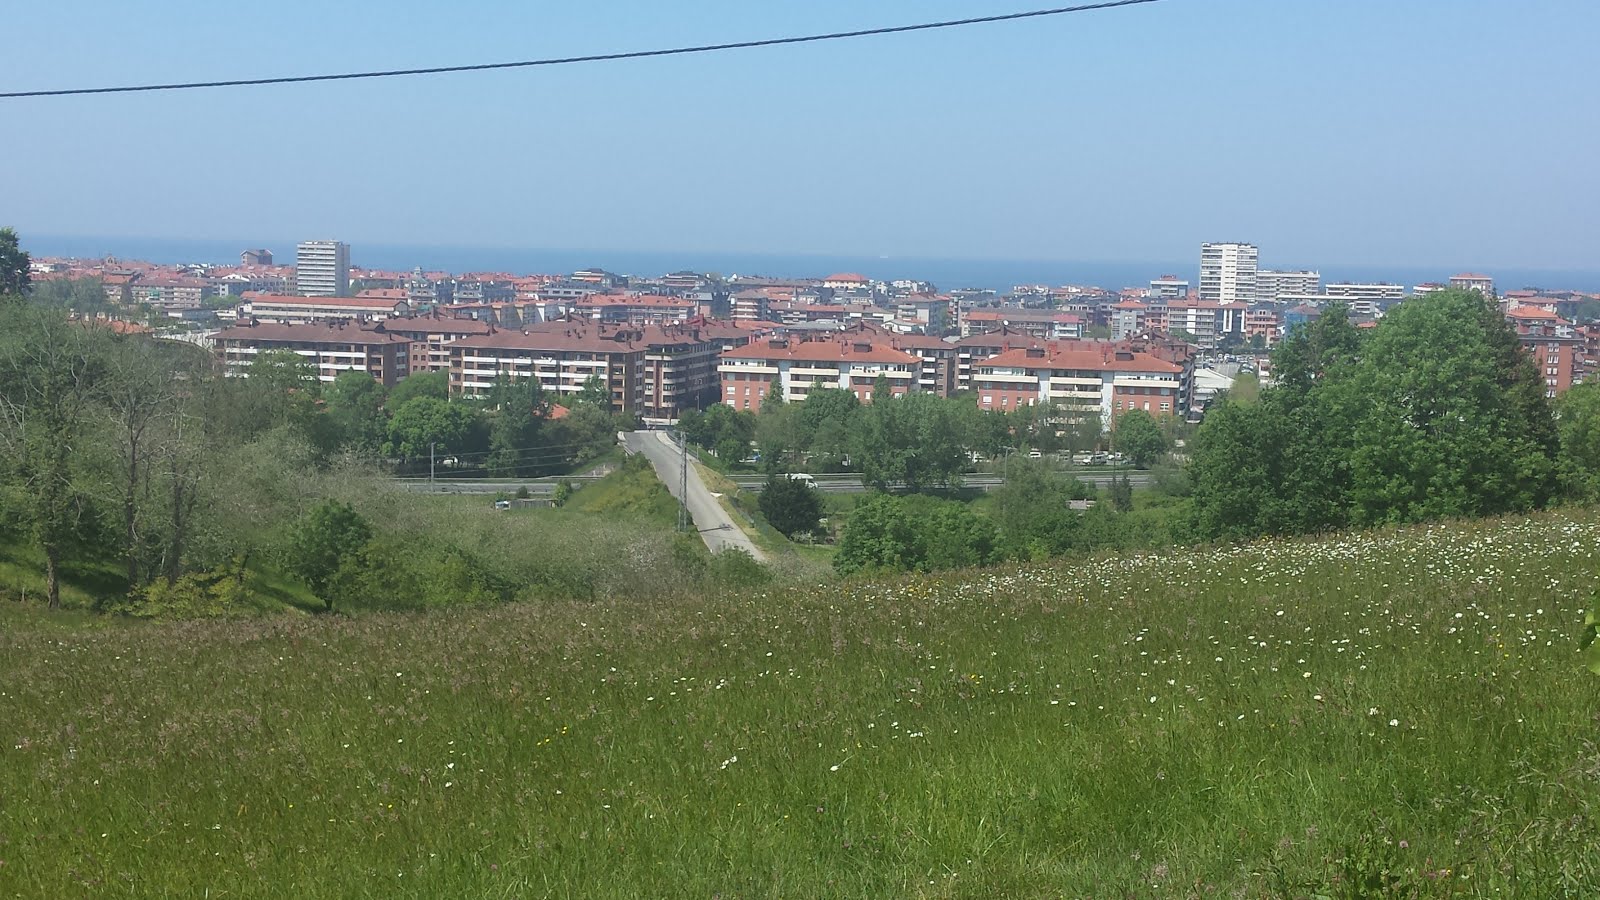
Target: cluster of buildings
[{"x": 684, "y": 340}]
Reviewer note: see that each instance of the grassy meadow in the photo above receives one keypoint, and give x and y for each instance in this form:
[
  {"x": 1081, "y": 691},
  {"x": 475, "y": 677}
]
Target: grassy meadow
[{"x": 1391, "y": 714}]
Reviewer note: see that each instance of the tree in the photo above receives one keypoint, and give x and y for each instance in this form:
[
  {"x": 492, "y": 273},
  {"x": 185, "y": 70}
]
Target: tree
[
  {"x": 325, "y": 537},
  {"x": 593, "y": 393},
  {"x": 428, "y": 422},
  {"x": 781, "y": 435},
  {"x": 1454, "y": 419},
  {"x": 1120, "y": 493},
  {"x": 879, "y": 535},
  {"x": 419, "y": 384},
  {"x": 50, "y": 371},
  {"x": 1034, "y": 510},
  {"x": 14, "y": 274},
  {"x": 516, "y": 431},
  {"x": 1138, "y": 437},
  {"x": 1578, "y": 424},
  {"x": 354, "y": 404},
  {"x": 791, "y": 505},
  {"x": 139, "y": 395}
]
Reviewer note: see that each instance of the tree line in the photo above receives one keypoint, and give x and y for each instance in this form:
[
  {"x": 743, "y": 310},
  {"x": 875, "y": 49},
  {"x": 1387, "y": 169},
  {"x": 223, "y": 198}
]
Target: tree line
[
  {"x": 138, "y": 448},
  {"x": 1436, "y": 412}
]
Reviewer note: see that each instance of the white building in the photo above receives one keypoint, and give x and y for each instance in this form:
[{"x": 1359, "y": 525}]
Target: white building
[
  {"x": 1228, "y": 272},
  {"x": 1272, "y": 284},
  {"x": 1472, "y": 281},
  {"x": 1168, "y": 287},
  {"x": 322, "y": 268},
  {"x": 1347, "y": 290}
]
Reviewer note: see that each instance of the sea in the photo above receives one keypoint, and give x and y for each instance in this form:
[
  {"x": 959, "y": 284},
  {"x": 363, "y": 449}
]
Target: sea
[{"x": 946, "y": 273}]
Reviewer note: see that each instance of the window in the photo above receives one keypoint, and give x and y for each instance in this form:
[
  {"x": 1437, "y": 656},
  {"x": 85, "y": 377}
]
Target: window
[{"x": 988, "y": 399}]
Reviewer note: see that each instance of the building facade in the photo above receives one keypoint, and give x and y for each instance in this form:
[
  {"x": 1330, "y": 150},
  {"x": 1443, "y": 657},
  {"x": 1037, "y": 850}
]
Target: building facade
[
  {"x": 330, "y": 347},
  {"x": 322, "y": 268},
  {"x": 1228, "y": 272},
  {"x": 847, "y": 362}
]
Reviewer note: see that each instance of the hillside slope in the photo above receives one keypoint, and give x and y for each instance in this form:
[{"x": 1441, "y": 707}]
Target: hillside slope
[{"x": 1399, "y": 709}]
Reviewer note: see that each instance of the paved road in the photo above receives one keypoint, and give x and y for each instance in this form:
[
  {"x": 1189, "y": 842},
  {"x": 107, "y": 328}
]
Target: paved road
[
  {"x": 850, "y": 484},
  {"x": 716, "y": 528}
]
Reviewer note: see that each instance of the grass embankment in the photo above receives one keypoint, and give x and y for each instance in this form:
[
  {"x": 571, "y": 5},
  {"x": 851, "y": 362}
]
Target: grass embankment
[{"x": 1292, "y": 719}]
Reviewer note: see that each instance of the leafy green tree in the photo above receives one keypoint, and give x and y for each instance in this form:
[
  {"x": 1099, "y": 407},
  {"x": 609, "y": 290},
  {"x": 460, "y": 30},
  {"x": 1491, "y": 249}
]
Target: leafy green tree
[
  {"x": 791, "y": 505},
  {"x": 1578, "y": 424},
  {"x": 1236, "y": 467},
  {"x": 354, "y": 404},
  {"x": 14, "y": 262},
  {"x": 781, "y": 435},
  {"x": 1455, "y": 422},
  {"x": 428, "y": 421},
  {"x": 322, "y": 541},
  {"x": 585, "y": 433},
  {"x": 914, "y": 533},
  {"x": 517, "y": 428},
  {"x": 1138, "y": 437},
  {"x": 281, "y": 390},
  {"x": 1120, "y": 493},
  {"x": 879, "y": 535},
  {"x": 419, "y": 384},
  {"x": 955, "y": 537},
  {"x": 50, "y": 372},
  {"x": 1034, "y": 513},
  {"x": 82, "y": 295},
  {"x": 593, "y": 393}
]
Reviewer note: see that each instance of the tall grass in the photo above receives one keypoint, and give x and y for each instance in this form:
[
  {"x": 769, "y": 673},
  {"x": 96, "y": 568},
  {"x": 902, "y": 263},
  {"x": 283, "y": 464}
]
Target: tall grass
[{"x": 1397, "y": 711}]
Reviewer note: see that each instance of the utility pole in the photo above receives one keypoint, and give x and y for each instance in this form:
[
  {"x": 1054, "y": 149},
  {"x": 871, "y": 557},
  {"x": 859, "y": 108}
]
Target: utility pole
[
  {"x": 683, "y": 482},
  {"x": 431, "y": 445}
]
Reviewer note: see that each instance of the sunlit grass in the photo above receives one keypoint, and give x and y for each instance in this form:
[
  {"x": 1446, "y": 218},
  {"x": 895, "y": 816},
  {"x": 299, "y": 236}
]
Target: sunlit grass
[{"x": 1291, "y": 719}]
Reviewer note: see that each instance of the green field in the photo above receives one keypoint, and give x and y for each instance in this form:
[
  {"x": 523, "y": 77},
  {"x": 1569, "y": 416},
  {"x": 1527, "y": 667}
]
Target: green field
[{"x": 1388, "y": 714}]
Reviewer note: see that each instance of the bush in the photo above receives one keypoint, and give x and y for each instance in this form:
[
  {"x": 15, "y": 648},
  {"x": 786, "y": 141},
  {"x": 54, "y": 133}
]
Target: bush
[
  {"x": 198, "y": 595},
  {"x": 790, "y": 505}
]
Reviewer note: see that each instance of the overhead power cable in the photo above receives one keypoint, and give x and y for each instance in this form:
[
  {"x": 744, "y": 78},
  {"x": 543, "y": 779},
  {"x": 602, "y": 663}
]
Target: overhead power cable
[{"x": 592, "y": 58}]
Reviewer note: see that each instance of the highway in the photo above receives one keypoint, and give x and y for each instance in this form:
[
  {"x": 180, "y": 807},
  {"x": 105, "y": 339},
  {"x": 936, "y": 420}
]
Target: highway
[
  {"x": 832, "y": 484},
  {"x": 851, "y": 484},
  {"x": 716, "y": 527}
]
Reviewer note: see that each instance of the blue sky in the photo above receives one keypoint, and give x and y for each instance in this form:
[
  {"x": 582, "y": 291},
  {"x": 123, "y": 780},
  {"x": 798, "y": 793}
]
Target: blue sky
[{"x": 1372, "y": 132}]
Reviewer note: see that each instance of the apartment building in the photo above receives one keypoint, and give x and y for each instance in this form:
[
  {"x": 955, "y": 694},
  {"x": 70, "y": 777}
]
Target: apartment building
[
  {"x": 1557, "y": 347},
  {"x": 1168, "y": 287},
  {"x": 1047, "y": 325},
  {"x": 846, "y": 361},
  {"x": 1473, "y": 281},
  {"x": 1207, "y": 323},
  {"x": 635, "y": 309},
  {"x": 750, "y": 306},
  {"x": 171, "y": 293},
  {"x": 1349, "y": 291},
  {"x": 1264, "y": 321},
  {"x": 331, "y": 347},
  {"x": 1107, "y": 379},
  {"x": 1228, "y": 272},
  {"x": 322, "y": 268},
  {"x": 562, "y": 359},
  {"x": 1274, "y": 284},
  {"x": 654, "y": 371},
  {"x": 431, "y": 335},
  {"x": 292, "y": 309},
  {"x": 1128, "y": 318}
]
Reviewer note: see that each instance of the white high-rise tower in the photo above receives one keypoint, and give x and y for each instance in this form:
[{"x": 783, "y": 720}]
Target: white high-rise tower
[
  {"x": 1228, "y": 272},
  {"x": 322, "y": 268}
]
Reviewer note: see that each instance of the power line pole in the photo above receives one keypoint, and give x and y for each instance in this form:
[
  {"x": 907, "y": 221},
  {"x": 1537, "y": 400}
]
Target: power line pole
[
  {"x": 683, "y": 483},
  {"x": 431, "y": 445}
]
